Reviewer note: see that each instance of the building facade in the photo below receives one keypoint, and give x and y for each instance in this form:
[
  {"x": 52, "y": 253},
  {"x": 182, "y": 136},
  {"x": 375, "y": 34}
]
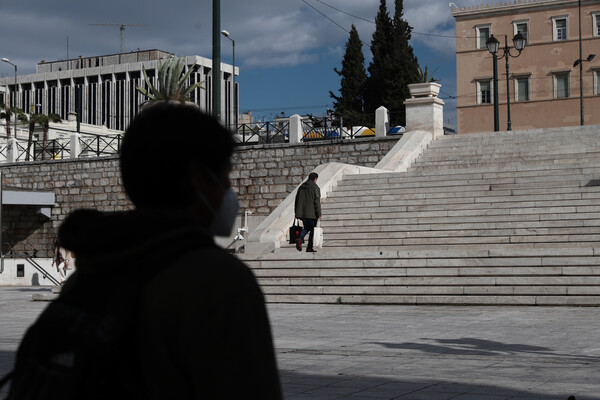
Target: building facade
[
  {"x": 543, "y": 83},
  {"x": 108, "y": 87}
]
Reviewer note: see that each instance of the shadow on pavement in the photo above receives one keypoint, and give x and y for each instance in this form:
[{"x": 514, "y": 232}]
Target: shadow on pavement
[
  {"x": 303, "y": 386},
  {"x": 477, "y": 347}
]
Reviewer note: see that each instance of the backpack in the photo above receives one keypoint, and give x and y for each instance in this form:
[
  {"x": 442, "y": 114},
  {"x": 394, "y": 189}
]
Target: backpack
[
  {"x": 77, "y": 350},
  {"x": 84, "y": 344}
]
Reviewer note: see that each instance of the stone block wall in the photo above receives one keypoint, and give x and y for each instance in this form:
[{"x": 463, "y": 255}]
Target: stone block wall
[
  {"x": 82, "y": 183},
  {"x": 262, "y": 176}
]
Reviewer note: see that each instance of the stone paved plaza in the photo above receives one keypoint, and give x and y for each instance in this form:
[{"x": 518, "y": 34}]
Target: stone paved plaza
[{"x": 408, "y": 352}]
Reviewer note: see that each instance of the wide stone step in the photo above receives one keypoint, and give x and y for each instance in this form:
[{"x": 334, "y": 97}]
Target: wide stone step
[
  {"x": 574, "y": 177},
  {"x": 352, "y": 226},
  {"x": 481, "y": 195},
  {"x": 531, "y": 138},
  {"x": 391, "y": 216},
  {"x": 459, "y": 205},
  {"x": 460, "y": 240},
  {"x": 427, "y": 175},
  {"x": 407, "y": 276},
  {"x": 367, "y": 256},
  {"x": 474, "y": 300},
  {"x": 344, "y": 290},
  {"x": 404, "y": 232},
  {"x": 500, "y": 168},
  {"x": 523, "y": 160},
  {"x": 512, "y": 165},
  {"x": 582, "y": 145},
  {"x": 461, "y": 143},
  {"x": 433, "y": 246},
  {"x": 515, "y": 282}
]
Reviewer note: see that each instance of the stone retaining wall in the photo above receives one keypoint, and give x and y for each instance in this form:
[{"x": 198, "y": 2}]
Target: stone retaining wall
[{"x": 262, "y": 176}]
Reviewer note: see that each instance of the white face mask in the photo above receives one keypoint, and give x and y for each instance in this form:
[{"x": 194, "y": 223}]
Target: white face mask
[
  {"x": 224, "y": 217},
  {"x": 224, "y": 220}
]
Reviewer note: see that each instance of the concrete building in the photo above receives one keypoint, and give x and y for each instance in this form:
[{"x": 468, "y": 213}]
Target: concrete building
[
  {"x": 544, "y": 84},
  {"x": 109, "y": 95}
]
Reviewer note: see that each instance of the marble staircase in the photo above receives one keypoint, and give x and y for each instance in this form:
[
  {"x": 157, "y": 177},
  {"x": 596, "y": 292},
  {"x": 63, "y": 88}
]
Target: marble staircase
[{"x": 506, "y": 218}]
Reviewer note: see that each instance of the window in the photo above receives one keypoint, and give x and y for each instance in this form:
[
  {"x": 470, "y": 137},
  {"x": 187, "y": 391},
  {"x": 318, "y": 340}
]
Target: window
[
  {"x": 484, "y": 92},
  {"x": 597, "y": 81},
  {"x": 561, "y": 85},
  {"x": 522, "y": 27},
  {"x": 596, "y": 19},
  {"x": 522, "y": 88},
  {"x": 560, "y": 27},
  {"x": 483, "y": 34}
]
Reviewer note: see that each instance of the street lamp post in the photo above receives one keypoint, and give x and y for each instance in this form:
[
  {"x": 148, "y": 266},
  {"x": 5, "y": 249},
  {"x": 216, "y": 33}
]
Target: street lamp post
[
  {"x": 216, "y": 60},
  {"x": 235, "y": 100},
  {"x": 493, "y": 46},
  {"x": 6, "y": 60},
  {"x": 580, "y": 62}
]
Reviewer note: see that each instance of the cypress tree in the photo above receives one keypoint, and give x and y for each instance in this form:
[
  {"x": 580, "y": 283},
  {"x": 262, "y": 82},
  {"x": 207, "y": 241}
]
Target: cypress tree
[
  {"x": 350, "y": 103},
  {"x": 377, "y": 88},
  {"x": 394, "y": 65},
  {"x": 406, "y": 66}
]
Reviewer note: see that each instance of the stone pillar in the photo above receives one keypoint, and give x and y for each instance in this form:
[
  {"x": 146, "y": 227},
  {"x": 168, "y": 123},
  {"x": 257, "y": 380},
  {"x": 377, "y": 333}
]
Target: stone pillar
[
  {"x": 75, "y": 145},
  {"x": 382, "y": 122},
  {"x": 12, "y": 150},
  {"x": 424, "y": 110},
  {"x": 296, "y": 131}
]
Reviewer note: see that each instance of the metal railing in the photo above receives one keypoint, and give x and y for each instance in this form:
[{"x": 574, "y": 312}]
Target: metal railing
[
  {"x": 262, "y": 133},
  {"x": 55, "y": 149},
  {"x": 41, "y": 269},
  {"x": 100, "y": 145},
  {"x": 272, "y": 132},
  {"x": 321, "y": 129},
  {"x": 34, "y": 264}
]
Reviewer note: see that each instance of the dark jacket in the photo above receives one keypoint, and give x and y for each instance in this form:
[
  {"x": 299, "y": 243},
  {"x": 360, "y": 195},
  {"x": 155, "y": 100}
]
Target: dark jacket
[
  {"x": 200, "y": 328},
  {"x": 308, "y": 201}
]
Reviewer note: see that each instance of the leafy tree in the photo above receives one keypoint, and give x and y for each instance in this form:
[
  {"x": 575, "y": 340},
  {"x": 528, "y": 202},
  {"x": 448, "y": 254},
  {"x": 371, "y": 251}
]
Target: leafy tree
[
  {"x": 394, "y": 65},
  {"x": 44, "y": 121},
  {"x": 350, "y": 103}
]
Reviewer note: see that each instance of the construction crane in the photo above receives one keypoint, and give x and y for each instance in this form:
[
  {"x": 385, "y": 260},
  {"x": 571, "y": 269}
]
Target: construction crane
[{"x": 122, "y": 29}]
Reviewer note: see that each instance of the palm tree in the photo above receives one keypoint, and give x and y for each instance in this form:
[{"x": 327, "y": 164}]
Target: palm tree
[
  {"x": 43, "y": 120},
  {"x": 172, "y": 82},
  {"x": 7, "y": 114}
]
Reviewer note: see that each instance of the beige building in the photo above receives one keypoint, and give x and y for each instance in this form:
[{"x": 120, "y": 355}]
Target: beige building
[{"x": 543, "y": 82}]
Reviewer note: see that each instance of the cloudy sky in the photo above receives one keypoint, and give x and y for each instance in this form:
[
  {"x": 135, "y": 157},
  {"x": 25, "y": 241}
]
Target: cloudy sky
[{"x": 286, "y": 49}]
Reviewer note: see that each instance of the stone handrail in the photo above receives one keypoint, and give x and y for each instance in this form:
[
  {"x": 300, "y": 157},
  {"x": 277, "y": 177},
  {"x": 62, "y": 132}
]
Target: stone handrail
[{"x": 269, "y": 235}]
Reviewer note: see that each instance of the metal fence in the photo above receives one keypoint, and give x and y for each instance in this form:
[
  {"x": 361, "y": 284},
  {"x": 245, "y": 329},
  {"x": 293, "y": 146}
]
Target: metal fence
[
  {"x": 98, "y": 145},
  {"x": 322, "y": 129},
  {"x": 262, "y": 133},
  {"x": 91, "y": 145},
  {"x": 272, "y": 132},
  {"x": 54, "y": 150}
]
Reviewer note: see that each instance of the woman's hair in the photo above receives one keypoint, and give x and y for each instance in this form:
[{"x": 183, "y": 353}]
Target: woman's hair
[{"x": 159, "y": 147}]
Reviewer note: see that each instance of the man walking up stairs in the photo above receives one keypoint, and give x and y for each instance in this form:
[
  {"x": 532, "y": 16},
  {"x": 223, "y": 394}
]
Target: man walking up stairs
[{"x": 503, "y": 218}]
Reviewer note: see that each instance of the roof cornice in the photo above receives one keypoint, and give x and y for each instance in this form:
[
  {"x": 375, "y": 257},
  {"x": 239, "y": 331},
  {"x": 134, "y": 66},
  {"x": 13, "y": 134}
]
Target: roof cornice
[{"x": 512, "y": 6}]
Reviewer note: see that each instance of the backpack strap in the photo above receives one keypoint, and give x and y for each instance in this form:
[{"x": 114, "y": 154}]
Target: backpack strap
[{"x": 6, "y": 378}]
